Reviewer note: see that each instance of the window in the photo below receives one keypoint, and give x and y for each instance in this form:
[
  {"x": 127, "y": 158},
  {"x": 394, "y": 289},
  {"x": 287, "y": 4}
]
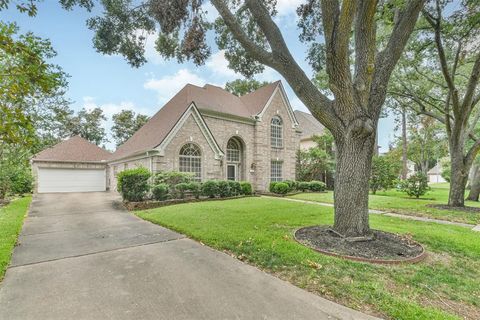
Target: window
[
  {"x": 276, "y": 132},
  {"x": 276, "y": 171},
  {"x": 191, "y": 161},
  {"x": 233, "y": 151}
]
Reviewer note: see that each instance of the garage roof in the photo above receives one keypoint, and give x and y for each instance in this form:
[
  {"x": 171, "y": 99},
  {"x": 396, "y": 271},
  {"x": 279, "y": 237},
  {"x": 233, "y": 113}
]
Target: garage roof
[{"x": 74, "y": 149}]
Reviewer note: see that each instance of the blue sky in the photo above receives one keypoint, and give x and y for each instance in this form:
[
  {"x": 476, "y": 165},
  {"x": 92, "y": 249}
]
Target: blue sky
[{"x": 111, "y": 84}]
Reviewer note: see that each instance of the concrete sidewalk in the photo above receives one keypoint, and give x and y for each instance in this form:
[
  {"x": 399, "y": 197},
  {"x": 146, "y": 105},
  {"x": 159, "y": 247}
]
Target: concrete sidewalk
[
  {"x": 81, "y": 256},
  {"x": 390, "y": 214}
]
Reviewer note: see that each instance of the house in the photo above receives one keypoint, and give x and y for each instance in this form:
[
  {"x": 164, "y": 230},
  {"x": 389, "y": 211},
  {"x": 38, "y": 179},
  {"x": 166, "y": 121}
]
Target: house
[
  {"x": 73, "y": 165},
  {"x": 209, "y": 132},
  {"x": 310, "y": 127},
  {"x": 434, "y": 174}
]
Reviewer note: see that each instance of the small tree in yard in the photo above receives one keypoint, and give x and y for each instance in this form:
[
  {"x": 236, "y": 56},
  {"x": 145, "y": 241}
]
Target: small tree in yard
[
  {"x": 383, "y": 174},
  {"x": 341, "y": 38},
  {"x": 415, "y": 186}
]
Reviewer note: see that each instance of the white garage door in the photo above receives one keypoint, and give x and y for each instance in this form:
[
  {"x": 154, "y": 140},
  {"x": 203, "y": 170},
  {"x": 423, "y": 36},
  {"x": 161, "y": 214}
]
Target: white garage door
[{"x": 71, "y": 180}]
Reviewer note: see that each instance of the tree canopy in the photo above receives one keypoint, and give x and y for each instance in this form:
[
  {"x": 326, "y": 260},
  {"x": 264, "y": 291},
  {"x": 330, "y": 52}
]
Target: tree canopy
[{"x": 125, "y": 124}]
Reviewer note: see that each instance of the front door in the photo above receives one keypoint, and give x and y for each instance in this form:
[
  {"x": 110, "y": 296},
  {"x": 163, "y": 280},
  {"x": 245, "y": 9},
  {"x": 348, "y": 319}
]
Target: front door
[{"x": 232, "y": 172}]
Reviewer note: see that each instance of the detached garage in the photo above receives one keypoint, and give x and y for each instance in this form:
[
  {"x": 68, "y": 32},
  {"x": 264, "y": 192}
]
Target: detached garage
[{"x": 73, "y": 165}]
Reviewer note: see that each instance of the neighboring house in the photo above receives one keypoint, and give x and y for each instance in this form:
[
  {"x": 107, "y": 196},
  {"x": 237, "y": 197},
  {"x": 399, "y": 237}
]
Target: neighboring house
[
  {"x": 434, "y": 174},
  {"x": 73, "y": 165},
  {"x": 310, "y": 127},
  {"x": 216, "y": 135}
]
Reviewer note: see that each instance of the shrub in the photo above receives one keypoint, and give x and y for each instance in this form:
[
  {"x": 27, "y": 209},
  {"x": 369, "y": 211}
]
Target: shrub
[
  {"x": 172, "y": 178},
  {"x": 292, "y": 185},
  {"x": 316, "y": 186},
  {"x": 133, "y": 183},
  {"x": 271, "y": 187},
  {"x": 224, "y": 189},
  {"x": 235, "y": 188},
  {"x": 195, "y": 188},
  {"x": 246, "y": 187},
  {"x": 384, "y": 173},
  {"x": 160, "y": 191},
  {"x": 303, "y": 186},
  {"x": 22, "y": 181},
  {"x": 210, "y": 188},
  {"x": 415, "y": 186},
  {"x": 281, "y": 188},
  {"x": 182, "y": 187}
]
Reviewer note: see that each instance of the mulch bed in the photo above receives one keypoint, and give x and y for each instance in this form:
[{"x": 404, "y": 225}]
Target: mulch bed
[
  {"x": 447, "y": 207},
  {"x": 151, "y": 204},
  {"x": 385, "y": 247}
]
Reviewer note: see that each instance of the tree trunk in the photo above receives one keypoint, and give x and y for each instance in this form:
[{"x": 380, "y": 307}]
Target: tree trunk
[
  {"x": 474, "y": 184},
  {"x": 458, "y": 179},
  {"x": 354, "y": 161},
  {"x": 404, "y": 145}
]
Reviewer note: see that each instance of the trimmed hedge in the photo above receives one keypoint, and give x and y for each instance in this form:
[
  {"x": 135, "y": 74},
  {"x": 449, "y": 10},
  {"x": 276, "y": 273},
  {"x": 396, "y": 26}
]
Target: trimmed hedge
[
  {"x": 133, "y": 183},
  {"x": 281, "y": 188},
  {"x": 246, "y": 188},
  {"x": 160, "y": 191},
  {"x": 134, "y": 186},
  {"x": 317, "y": 186},
  {"x": 210, "y": 188}
]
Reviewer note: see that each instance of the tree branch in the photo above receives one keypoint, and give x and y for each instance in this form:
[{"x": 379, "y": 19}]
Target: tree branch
[
  {"x": 472, "y": 86},
  {"x": 337, "y": 23},
  {"x": 364, "y": 49},
  {"x": 280, "y": 59},
  {"x": 230, "y": 20},
  {"x": 387, "y": 59}
]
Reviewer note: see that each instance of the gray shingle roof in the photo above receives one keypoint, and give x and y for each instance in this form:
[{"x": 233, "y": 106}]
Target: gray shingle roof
[
  {"x": 74, "y": 149},
  {"x": 308, "y": 124}
]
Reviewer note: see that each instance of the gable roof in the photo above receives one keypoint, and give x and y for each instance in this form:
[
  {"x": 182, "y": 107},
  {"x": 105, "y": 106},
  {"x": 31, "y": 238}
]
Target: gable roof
[
  {"x": 74, "y": 149},
  {"x": 308, "y": 124},
  {"x": 208, "y": 97}
]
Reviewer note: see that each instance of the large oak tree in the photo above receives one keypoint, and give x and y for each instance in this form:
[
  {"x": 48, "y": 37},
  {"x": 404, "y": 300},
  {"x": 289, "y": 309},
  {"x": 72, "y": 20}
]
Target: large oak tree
[{"x": 341, "y": 37}]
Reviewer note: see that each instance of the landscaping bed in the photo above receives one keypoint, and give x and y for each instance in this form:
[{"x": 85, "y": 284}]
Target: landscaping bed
[
  {"x": 151, "y": 204},
  {"x": 383, "y": 247}
]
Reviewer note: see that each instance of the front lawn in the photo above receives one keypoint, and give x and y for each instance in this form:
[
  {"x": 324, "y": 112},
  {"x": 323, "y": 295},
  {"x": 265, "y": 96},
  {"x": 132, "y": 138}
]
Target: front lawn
[
  {"x": 260, "y": 231},
  {"x": 11, "y": 219},
  {"x": 399, "y": 202}
]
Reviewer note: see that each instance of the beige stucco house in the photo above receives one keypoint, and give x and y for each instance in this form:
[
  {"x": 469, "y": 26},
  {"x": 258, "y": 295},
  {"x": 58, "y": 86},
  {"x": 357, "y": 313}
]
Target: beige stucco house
[{"x": 214, "y": 135}]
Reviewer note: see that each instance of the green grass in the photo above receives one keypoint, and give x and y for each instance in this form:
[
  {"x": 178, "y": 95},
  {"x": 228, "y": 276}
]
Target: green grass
[
  {"x": 11, "y": 219},
  {"x": 399, "y": 202},
  {"x": 260, "y": 232}
]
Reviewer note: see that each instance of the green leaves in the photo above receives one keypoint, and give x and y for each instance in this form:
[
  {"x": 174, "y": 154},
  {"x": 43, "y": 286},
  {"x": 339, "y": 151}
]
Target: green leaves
[
  {"x": 125, "y": 124},
  {"x": 240, "y": 87},
  {"x": 26, "y": 78}
]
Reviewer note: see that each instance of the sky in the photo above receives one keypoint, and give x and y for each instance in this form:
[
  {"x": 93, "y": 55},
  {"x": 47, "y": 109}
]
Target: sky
[{"x": 109, "y": 82}]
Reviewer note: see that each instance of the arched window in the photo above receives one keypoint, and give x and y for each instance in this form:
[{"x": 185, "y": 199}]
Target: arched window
[
  {"x": 233, "y": 150},
  {"x": 276, "y": 132},
  {"x": 191, "y": 160}
]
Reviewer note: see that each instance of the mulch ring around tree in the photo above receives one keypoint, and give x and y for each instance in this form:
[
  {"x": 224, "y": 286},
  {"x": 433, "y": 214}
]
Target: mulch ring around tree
[
  {"x": 447, "y": 207},
  {"x": 384, "y": 247}
]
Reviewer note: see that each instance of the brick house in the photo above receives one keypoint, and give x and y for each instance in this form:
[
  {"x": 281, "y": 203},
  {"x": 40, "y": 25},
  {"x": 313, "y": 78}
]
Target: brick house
[
  {"x": 217, "y": 135},
  {"x": 203, "y": 130}
]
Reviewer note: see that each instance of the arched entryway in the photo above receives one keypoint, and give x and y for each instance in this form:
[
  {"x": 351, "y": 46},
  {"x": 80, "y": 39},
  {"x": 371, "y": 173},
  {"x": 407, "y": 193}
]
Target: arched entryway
[{"x": 235, "y": 159}]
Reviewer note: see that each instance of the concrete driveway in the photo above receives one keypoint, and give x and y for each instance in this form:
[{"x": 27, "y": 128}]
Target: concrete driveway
[{"x": 81, "y": 256}]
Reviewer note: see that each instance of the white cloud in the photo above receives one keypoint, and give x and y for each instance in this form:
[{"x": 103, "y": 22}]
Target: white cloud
[
  {"x": 109, "y": 109},
  {"x": 169, "y": 85},
  {"x": 211, "y": 12},
  {"x": 218, "y": 64},
  {"x": 287, "y": 7}
]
